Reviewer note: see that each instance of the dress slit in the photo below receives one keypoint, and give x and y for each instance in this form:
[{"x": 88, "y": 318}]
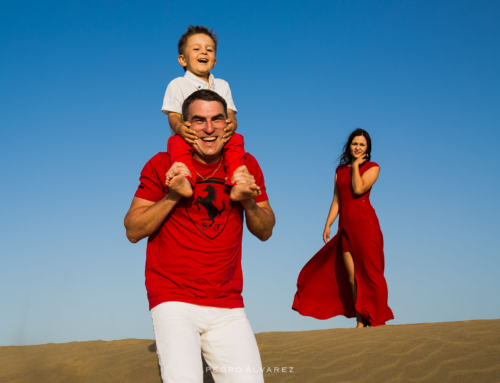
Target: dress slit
[{"x": 323, "y": 288}]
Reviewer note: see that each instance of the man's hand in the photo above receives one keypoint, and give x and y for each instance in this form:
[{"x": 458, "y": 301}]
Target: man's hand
[
  {"x": 187, "y": 133},
  {"x": 178, "y": 185},
  {"x": 246, "y": 187},
  {"x": 242, "y": 176}
]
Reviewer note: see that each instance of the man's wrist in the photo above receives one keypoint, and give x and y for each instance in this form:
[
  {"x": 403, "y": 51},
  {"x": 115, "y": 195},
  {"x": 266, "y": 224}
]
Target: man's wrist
[
  {"x": 248, "y": 204},
  {"x": 172, "y": 197}
]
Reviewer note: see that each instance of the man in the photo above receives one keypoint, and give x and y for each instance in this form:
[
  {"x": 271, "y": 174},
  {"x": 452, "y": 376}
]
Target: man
[{"x": 193, "y": 262}]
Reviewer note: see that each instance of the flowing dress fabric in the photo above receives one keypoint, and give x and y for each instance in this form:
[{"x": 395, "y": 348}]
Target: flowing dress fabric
[{"x": 323, "y": 289}]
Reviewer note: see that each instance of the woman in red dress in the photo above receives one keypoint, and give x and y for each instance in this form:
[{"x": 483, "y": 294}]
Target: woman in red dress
[{"x": 346, "y": 277}]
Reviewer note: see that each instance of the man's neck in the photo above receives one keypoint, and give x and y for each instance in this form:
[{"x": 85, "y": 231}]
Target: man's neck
[{"x": 207, "y": 160}]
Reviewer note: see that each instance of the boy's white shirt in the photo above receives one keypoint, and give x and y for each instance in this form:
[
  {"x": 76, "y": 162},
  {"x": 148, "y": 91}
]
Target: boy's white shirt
[{"x": 181, "y": 88}]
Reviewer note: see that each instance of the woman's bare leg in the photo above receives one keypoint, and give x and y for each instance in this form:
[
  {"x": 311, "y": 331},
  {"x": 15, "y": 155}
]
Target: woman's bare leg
[{"x": 349, "y": 265}]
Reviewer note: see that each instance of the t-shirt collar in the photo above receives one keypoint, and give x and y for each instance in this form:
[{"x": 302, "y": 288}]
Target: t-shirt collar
[
  {"x": 198, "y": 82},
  {"x": 201, "y": 165}
]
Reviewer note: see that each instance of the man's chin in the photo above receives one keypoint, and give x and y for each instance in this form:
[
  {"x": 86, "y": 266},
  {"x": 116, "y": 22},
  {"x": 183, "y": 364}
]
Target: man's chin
[{"x": 207, "y": 154}]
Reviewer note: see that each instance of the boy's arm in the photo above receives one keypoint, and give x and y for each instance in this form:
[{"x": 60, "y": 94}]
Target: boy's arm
[
  {"x": 232, "y": 125},
  {"x": 182, "y": 128}
]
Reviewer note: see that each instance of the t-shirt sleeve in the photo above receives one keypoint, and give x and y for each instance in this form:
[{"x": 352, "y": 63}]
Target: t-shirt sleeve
[
  {"x": 152, "y": 181},
  {"x": 255, "y": 170},
  {"x": 225, "y": 91},
  {"x": 172, "y": 102}
]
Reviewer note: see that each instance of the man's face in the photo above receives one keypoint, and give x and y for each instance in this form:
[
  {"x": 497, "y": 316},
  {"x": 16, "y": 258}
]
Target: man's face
[
  {"x": 208, "y": 120},
  {"x": 199, "y": 55}
]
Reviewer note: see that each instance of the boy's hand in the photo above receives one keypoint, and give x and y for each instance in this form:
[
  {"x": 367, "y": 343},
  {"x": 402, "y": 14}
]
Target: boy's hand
[
  {"x": 187, "y": 134},
  {"x": 229, "y": 130}
]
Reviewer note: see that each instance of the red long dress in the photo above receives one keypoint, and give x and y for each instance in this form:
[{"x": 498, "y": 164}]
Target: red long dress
[{"x": 323, "y": 289}]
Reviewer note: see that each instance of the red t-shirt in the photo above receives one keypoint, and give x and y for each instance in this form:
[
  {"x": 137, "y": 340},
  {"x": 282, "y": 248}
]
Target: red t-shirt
[{"x": 195, "y": 255}]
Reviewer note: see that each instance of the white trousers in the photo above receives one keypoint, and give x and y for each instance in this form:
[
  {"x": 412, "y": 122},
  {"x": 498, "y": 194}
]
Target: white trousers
[{"x": 224, "y": 336}]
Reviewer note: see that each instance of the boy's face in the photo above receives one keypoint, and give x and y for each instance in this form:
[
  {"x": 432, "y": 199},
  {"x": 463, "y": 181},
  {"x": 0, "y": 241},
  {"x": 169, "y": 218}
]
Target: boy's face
[{"x": 199, "y": 55}]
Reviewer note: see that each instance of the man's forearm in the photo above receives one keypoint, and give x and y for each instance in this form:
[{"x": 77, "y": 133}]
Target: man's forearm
[
  {"x": 260, "y": 219},
  {"x": 142, "y": 221}
]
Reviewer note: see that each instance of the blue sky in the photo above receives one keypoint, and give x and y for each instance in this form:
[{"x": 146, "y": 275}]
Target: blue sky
[{"x": 82, "y": 87}]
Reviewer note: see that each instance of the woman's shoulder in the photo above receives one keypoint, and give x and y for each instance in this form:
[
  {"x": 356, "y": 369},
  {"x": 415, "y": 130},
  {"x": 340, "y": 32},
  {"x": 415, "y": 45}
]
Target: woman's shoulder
[
  {"x": 340, "y": 167},
  {"x": 368, "y": 165},
  {"x": 371, "y": 164}
]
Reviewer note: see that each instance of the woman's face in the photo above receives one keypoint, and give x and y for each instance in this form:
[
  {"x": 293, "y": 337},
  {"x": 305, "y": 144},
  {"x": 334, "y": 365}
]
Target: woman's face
[{"x": 358, "y": 147}]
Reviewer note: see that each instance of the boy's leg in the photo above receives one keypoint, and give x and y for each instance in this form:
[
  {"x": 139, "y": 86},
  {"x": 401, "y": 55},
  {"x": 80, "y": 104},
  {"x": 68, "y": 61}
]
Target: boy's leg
[
  {"x": 181, "y": 151},
  {"x": 177, "y": 327},
  {"x": 234, "y": 155},
  {"x": 230, "y": 348}
]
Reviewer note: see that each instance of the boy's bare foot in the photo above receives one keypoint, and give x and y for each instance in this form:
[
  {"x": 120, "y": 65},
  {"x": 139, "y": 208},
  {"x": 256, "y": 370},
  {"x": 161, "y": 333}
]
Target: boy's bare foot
[
  {"x": 169, "y": 176},
  {"x": 244, "y": 191},
  {"x": 242, "y": 176},
  {"x": 179, "y": 184}
]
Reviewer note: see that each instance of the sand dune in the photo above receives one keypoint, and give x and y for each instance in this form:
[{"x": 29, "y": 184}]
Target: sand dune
[{"x": 437, "y": 352}]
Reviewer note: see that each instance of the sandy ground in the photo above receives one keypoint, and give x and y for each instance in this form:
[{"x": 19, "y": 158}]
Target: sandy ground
[{"x": 436, "y": 352}]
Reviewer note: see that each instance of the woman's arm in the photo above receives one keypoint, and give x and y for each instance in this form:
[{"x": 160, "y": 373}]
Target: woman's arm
[
  {"x": 361, "y": 184},
  {"x": 332, "y": 214}
]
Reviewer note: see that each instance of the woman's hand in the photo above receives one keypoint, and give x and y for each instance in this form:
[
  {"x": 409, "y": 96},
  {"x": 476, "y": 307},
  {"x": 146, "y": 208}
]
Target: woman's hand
[
  {"x": 326, "y": 234},
  {"x": 359, "y": 161}
]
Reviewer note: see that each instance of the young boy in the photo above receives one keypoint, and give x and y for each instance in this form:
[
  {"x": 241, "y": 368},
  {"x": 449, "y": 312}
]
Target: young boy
[{"x": 197, "y": 49}]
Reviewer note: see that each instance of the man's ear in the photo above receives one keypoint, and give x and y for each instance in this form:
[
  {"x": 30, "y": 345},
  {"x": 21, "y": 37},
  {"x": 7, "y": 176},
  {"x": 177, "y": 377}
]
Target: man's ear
[
  {"x": 182, "y": 60},
  {"x": 215, "y": 61}
]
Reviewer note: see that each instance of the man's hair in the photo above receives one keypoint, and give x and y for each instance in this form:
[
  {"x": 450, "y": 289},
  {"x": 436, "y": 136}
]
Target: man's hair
[
  {"x": 205, "y": 95},
  {"x": 194, "y": 30}
]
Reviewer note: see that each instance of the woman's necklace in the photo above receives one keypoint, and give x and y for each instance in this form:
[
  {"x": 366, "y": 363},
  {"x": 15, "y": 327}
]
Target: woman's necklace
[{"x": 213, "y": 174}]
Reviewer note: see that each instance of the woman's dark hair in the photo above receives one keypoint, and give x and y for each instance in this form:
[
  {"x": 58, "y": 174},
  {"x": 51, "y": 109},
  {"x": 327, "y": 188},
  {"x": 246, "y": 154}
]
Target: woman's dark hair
[{"x": 346, "y": 157}]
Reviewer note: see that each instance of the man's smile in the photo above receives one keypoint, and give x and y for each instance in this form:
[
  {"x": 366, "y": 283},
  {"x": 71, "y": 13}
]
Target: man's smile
[{"x": 206, "y": 139}]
